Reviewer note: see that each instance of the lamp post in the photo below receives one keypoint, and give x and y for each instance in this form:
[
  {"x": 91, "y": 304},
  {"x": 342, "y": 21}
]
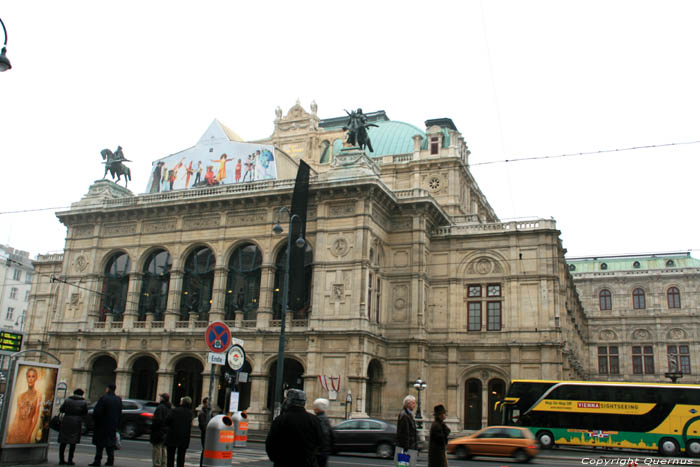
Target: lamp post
[
  {"x": 420, "y": 385},
  {"x": 300, "y": 243},
  {"x": 4, "y": 61}
]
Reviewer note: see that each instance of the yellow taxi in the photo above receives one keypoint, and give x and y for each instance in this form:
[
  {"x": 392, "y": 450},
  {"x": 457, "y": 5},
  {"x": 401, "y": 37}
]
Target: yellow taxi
[{"x": 496, "y": 441}]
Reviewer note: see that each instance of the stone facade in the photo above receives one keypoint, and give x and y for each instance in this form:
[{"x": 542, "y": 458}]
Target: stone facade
[
  {"x": 403, "y": 246},
  {"x": 642, "y": 315}
]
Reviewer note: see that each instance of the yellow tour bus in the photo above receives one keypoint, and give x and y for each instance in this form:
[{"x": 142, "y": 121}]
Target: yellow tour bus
[{"x": 659, "y": 417}]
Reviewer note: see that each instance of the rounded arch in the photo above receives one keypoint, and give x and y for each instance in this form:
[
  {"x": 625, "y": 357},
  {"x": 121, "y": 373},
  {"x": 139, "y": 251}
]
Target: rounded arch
[
  {"x": 300, "y": 300},
  {"x": 496, "y": 392},
  {"x": 639, "y": 301},
  {"x": 140, "y": 262},
  {"x": 115, "y": 286},
  {"x": 673, "y": 296},
  {"x": 472, "y": 403},
  {"x": 155, "y": 283},
  {"x": 198, "y": 283},
  {"x": 144, "y": 378},
  {"x": 375, "y": 383},
  {"x": 179, "y": 261},
  {"x": 188, "y": 378},
  {"x": 107, "y": 257},
  {"x": 605, "y": 299},
  {"x": 243, "y": 276},
  {"x": 494, "y": 263},
  {"x": 103, "y": 372},
  {"x": 292, "y": 377}
]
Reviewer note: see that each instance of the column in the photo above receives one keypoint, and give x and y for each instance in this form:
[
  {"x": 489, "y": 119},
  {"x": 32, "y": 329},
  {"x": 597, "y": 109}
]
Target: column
[
  {"x": 132, "y": 301},
  {"x": 172, "y": 312},
  {"x": 123, "y": 381},
  {"x": 218, "y": 294}
]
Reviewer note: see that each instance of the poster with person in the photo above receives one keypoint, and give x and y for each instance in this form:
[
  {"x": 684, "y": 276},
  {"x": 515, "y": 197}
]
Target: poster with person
[{"x": 30, "y": 405}]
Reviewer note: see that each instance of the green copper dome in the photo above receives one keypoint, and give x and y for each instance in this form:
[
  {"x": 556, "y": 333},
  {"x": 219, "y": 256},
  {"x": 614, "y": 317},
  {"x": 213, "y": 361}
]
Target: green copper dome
[{"x": 393, "y": 137}]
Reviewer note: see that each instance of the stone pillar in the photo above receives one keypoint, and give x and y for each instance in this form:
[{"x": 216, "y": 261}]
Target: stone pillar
[
  {"x": 123, "y": 381},
  {"x": 258, "y": 412},
  {"x": 165, "y": 381},
  {"x": 132, "y": 301},
  {"x": 172, "y": 312},
  {"x": 216, "y": 312}
]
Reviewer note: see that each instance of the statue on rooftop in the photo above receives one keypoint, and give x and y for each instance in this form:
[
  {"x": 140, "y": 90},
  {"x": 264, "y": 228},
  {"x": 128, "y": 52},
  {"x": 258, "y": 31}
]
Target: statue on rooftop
[
  {"x": 357, "y": 129},
  {"x": 114, "y": 164}
]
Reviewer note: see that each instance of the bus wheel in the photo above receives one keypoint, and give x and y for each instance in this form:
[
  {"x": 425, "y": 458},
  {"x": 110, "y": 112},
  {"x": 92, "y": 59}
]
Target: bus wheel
[
  {"x": 668, "y": 447},
  {"x": 546, "y": 439},
  {"x": 693, "y": 448}
]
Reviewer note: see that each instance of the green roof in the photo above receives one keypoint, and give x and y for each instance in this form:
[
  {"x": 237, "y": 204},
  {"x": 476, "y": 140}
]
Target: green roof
[
  {"x": 393, "y": 137},
  {"x": 631, "y": 263}
]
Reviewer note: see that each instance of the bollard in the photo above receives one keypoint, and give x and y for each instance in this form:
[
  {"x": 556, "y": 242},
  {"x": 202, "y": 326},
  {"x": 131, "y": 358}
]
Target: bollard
[
  {"x": 240, "y": 423},
  {"x": 218, "y": 444}
]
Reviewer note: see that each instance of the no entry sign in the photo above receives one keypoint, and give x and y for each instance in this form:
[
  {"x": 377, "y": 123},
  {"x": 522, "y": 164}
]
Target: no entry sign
[{"x": 218, "y": 337}]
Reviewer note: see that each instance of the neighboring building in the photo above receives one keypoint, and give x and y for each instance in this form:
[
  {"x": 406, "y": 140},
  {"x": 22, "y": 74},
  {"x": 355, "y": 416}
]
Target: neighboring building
[
  {"x": 642, "y": 314},
  {"x": 16, "y": 273},
  {"x": 411, "y": 275}
]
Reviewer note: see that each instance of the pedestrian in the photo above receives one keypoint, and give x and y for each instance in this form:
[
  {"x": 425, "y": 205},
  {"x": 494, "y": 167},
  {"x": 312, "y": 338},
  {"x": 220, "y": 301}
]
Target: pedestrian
[
  {"x": 177, "y": 439},
  {"x": 327, "y": 442},
  {"x": 106, "y": 415},
  {"x": 437, "y": 455},
  {"x": 406, "y": 431},
  {"x": 295, "y": 436},
  {"x": 159, "y": 430},
  {"x": 203, "y": 420},
  {"x": 73, "y": 410}
]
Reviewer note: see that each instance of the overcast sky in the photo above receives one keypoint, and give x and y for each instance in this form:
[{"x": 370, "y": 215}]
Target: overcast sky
[{"x": 518, "y": 78}]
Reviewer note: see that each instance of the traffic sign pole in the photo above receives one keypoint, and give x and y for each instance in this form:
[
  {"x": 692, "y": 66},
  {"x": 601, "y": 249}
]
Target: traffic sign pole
[{"x": 218, "y": 339}]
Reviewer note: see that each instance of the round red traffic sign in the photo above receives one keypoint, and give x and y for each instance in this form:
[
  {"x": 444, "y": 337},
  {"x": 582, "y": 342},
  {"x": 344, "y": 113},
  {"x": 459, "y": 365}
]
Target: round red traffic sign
[{"x": 218, "y": 337}]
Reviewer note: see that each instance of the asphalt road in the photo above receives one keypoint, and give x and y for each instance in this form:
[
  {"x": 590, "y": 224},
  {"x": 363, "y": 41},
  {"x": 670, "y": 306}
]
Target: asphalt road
[{"x": 137, "y": 453}]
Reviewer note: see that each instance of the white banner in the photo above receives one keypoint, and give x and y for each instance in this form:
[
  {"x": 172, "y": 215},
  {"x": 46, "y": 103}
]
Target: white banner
[{"x": 233, "y": 403}]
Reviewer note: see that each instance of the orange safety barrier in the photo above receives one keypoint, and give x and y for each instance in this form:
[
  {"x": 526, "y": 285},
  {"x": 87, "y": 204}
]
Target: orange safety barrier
[{"x": 218, "y": 454}]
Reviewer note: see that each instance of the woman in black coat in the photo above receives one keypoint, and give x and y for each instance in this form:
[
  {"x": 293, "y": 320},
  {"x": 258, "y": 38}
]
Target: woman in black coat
[
  {"x": 73, "y": 410},
  {"x": 437, "y": 457},
  {"x": 177, "y": 439}
]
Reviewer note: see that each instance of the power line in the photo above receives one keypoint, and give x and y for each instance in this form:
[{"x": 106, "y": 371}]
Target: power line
[
  {"x": 34, "y": 210},
  {"x": 602, "y": 151}
]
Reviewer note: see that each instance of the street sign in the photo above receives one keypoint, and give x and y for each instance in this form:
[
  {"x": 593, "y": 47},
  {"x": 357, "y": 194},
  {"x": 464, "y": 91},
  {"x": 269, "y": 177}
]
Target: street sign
[
  {"x": 10, "y": 342},
  {"x": 217, "y": 358},
  {"x": 235, "y": 357},
  {"x": 218, "y": 337}
]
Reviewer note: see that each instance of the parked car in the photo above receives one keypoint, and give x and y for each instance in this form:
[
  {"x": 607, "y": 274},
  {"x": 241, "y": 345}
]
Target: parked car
[
  {"x": 365, "y": 435},
  {"x": 496, "y": 441},
  {"x": 136, "y": 419}
]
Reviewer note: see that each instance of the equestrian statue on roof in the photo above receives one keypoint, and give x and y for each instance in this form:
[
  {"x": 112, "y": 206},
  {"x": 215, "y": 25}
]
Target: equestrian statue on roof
[
  {"x": 357, "y": 129},
  {"x": 114, "y": 164}
]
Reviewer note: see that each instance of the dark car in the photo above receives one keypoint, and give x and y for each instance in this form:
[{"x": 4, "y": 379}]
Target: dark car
[
  {"x": 136, "y": 419},
  {"x": 365, "y": 435}
]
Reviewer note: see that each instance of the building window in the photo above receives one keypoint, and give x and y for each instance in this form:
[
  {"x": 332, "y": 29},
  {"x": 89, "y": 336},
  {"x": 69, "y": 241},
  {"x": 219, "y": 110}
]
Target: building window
[
  {"x": 155, "y": 286},
  {"x": 369, "y": 296},
  {"x": 605, "y": 299},
  {"x": 603, "y": 266},
  {"x": 670, "y": 263},
  {"x": 197, "y": 284},
  {"x": 493, "y": 290},
  {"x": 299, "y": 298},
  {"x": 26, "y": 296},
  {"x": 434, "y": 145},
  {"x": 379, "y": 296},
  {"x": 572, "y": 267},
  {"x": 115, "y": 286},
  {"x": 642, "y": 360},
  {"x": 474, "y": 316},
  {"x": 638, "y": 299},
  {"x": 608, "y": 360},
  {"x": 28, "y": 278},
  {"x": 13, "y": 292},
  {"x": 636, "y": 265},
  {"x": 674, "y": 297},
  {"x": 493, "y": 318},
  {"x": 10, "y": 312},
  {"x": 679, "y": 358},
  {"x": 16, "y": 274},
  {"x": 243, "y": 282},
  {"x": 474, "y": 291}
]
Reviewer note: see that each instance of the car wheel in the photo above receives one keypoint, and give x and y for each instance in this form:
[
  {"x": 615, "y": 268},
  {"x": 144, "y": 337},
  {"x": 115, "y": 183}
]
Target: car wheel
[
  {"x": 462, "y": 452},
  {"x": 521, "y": 456},
  {"x": 693, "y": 448},
  {"x": 385, "y": 451},
  {"x": 130, "y": 431},
  {"x": 668, "y": 447},
  {"x": 546, "y": 439}
]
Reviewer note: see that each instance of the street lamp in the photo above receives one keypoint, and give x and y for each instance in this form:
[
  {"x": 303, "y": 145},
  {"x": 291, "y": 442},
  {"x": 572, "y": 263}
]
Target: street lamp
[
  {"x": 300, "y": 243},
  {"x": 4, "y": 61},
  {"x": 420, "y": 385}
]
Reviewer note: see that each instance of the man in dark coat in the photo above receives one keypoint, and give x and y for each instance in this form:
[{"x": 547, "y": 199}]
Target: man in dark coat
[
  {"x": 406, "y": 431},
  {"x": 106, "y": 415},
  {"x": 73, "y": 410},
  {"x": 295, "y": 436},
  {"x": 203, "y": 420},
  {"x": 437, "y": 456},
  {"x": 159, "y": 430},
  {"x": 177, "y": 440},
  {"x": 320, "y": 407}
]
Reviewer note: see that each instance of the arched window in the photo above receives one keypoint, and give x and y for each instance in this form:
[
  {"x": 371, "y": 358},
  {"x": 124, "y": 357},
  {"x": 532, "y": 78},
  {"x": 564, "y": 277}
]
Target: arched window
[
  {"x": 605, "y": 300},
  {"x": 603, "y": 266},
  {"x": 673, "y": 296},
  {"x": 154, "y": 288},
  {"x": 243, "y": 282},
  {"x": 197, "y": 284},
  {"x": 115, "y": 286},
  {"x": 325, "y": 152},
  {"x": 638, "y": 299},
  {"x": 302, "y": 303}
]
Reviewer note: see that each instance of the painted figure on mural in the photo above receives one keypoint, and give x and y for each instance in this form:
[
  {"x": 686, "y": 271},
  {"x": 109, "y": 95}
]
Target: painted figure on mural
[
  {"x": 155, "y": 182},
  {"x": 29, "y": 406},
  {"x": 190, "y": 171},
  {"x": 223, "y": 160},
  {"x": 250, "y": 168},
  {"x": 210, "y": 177},
  {"x": 198, "y": 174},
  {"x": 238, "y": 171},
  {"x": 164, "y": 179}
]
